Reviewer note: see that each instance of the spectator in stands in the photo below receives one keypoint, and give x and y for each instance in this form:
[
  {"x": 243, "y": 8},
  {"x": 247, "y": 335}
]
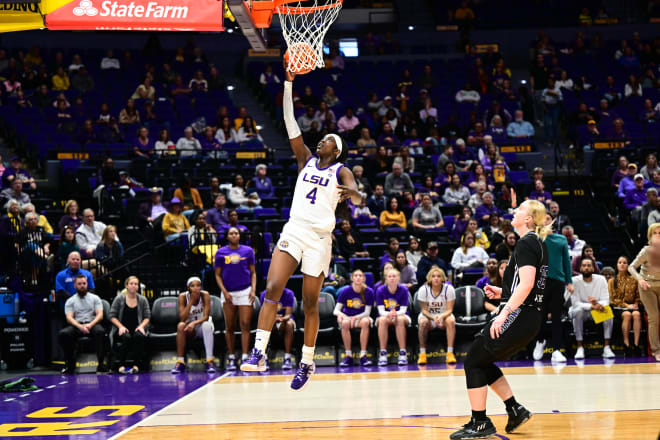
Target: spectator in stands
[
  {"x": 491, "y": 276},
  {"x": 188, "y": 145},
  {"x": 647, "y": 260},
  {"x": 481, "y": 239},
  {"x": 429, "y": 260},
  {"x": 462, "y": 157},
  {"x": 329, "y": 97},
  {"x": 575, "y": 245},
  {"x": 247, "y": 131},
  {"x": 42, "y": 220},
  {"x": 626, "y": 183},
  {"x": 392, "y": 301},
  {"x": 362, "y": 213},
  {"x": 436, "y": 299},
  {"x": 468, "y": 94},
  {"x": 82, "y": 81},
  {"x": 66, "y": 246},
  {"x": 426, "y": 216},
  {"x": 353, "y": 310},
  {"x": 520, "y": 128},
  {"x": 496, "y": 129},
  {"x": 41, "y": 98},
  {"x": 324, "y": 114},
  {"x": 486, "y": 209},
  {"x": 414, "y": 253},
  {"x": 349, "y": 243},
  {"x": 552, "y": 98},
  {"x": 377, "y": 202},
  {"x": 110, "y": 251},
  {"x": 233, "y": 223},
  {"x": 129, "y": 114},
  {"x": 392, "y": 250},
  {"x": 393, "y": 216},
  {"x": 89, "y": 233},
  {"x": 225, "y": 132},
  {"x": 84, "y": 313},
  {"x": 153, "y": 209},
  {"x": 478, "y": 176},
  {"x": 178, "y": 88},
  {"x": 539, "y": 193},
  {"x": 456, "y": 193},
  {"x": 406, "y": 270},
  {"x": 468, "y": 255},
  {"x": 365, "y": 138},
  {"x": 476, "y": 199},
  {"x": 398, "y": 181},
  {"x": 198, "y": 82},
  {"x": 237, "y": 279},
  {"x": 12, "y": 223},
  {"x": 164, "y": 145},
  {"x": 268, "y": 77},
  {"x": 386, "y": 106},
  {"x": 217, "y": 216},
  {"x": 625, "y": 301},
  {"x": 61, "y": 80},
  {"x": 130, "y": 315},
  {"x": 188, "y": 195},
  {"x": 70, "y": 216},
  {"x": 174, "y": 222},
  {"x": 109, "y": 61},
  {"x": 364, "y": 187},
  {"x": 632, "y": 87},
  {"x": 64, "y": 280},
  {"x": 16, "y": 171},
  {"x": 194, "y": 314},
  {"x": 648, "y": 113},
  {"x": 405, "y": 160},
  {"x": 504, "y": 250},
  {"x": 387, "y": 136},
  {"x": 475, "y": 137},
  {"x": 576, "y": 262},
  {"x": 651, "y": 165},
  {"x": 144, "y": 146},
  {"x": 262, "y": 183},
  {"x": 590, "y": 293},
  {"x": 560, "y": 220},
  {"x": 76, "y": 64},
  {"x": 237, "y": 194},
  {"x": 305, "y": 120},
  {"x": 15, "y": 192},
  {"x": 617, "y": 131},
  {"x": 635, "y": 197},
  {"x": 496, "y": 109}
]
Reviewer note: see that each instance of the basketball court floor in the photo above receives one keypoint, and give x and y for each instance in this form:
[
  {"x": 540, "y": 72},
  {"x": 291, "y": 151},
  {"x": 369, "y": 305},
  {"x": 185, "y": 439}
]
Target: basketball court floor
[{"x": 591, "y": 400}]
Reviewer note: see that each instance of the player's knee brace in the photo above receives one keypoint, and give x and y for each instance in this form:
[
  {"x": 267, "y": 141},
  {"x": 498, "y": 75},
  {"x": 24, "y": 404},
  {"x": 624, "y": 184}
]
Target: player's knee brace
[{"x": 493, "y": 373}]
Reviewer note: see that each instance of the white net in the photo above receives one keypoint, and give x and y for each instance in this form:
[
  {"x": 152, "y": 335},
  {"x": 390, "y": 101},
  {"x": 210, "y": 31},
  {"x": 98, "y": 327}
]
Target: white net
[{"x": 304, "y": 25}]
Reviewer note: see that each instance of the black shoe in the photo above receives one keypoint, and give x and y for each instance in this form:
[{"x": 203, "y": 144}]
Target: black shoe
[
  {"x": 102, "y": 369},
  {"x": 517, "y": 416},
  {"x": 637, "y": 351},
  {"x": 475, "y": 429},
  {"x": 627, "y": 351}
]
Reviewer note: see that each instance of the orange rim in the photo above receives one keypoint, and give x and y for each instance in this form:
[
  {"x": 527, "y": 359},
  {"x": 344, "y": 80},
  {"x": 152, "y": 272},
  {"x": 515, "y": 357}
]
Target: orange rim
[{"x": 287, "y": 10}]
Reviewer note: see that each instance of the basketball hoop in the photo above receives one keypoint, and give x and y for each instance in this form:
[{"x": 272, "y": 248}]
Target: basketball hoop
[{"x": 304, "y": 25}]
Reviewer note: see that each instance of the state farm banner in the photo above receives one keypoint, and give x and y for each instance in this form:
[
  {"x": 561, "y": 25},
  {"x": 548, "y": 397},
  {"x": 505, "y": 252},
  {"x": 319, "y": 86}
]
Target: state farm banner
[{"x": 138, "y": 15}]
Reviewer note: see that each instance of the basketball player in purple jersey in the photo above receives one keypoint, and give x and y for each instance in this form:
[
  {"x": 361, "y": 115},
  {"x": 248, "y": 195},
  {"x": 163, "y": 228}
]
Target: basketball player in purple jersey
[{"x": 307, "y": 237}]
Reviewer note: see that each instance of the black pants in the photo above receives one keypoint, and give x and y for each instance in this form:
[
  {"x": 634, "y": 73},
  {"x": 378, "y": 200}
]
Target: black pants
[
  {"x": 553, "y": 300},
  {"x": 130, "y": 346},
  {"x": 69, "y": 335},
  {"x": 521, "y": 327}
]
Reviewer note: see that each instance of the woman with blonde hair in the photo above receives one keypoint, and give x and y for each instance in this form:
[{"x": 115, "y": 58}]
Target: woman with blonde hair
[
  {"x": 71, "y": 216},
  {"x": 109, "y": 251},
  {"x": 392, "y": 301},
  {"x": 516, "y": 324},
  {"x": 130, "y": 316},
  {"x": 436, "y": 299},
  {"x": 353, "y": 310},
  {"x": 648, "y": 278}
]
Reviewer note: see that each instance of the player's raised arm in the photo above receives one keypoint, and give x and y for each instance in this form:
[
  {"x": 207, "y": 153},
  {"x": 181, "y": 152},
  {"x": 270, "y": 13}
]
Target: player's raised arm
[
  {"x": 348, "y": 188},
  {"x": 295, "y": 137}
]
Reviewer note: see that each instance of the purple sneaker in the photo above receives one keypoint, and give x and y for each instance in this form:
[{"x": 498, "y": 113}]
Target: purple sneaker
[
  {"x": 231, "y": 364},
  {"x": 365, "y": 362},
  {"x": 210, "y": 367},
  {"x": 287, "y": 365},
  {"x": 302, "y": 376},
  {"x": 346, "y": 362},
  {"x": 256, "y": 362},
  {"x": 179, "y": 368}
]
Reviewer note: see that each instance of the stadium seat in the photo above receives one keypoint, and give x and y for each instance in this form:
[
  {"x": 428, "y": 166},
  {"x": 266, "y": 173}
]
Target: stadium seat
[
  {"x": 469, "y": 309},
  {"x": 164, "y": 319}
]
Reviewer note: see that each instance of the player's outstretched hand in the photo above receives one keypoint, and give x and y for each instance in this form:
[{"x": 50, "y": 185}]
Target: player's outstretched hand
[
  {"x": 346, "y": 192},
  {"x": 289, "y": 76},
  {"x": 493, "y": 292}
]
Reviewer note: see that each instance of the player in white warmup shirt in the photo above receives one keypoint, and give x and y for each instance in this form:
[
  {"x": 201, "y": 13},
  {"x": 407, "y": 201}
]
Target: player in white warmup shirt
[{"x": 307, "y": 237}]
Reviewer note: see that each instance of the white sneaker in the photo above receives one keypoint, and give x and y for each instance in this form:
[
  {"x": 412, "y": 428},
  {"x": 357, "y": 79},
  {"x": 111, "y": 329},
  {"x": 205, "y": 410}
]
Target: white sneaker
[
  {"x": 558, "y": 357},
  {"x": 382, "y": 360},
  {"x": 579, "y": 354},
  {"x": 608, "y": 353},
  {"x": 538, "y": 351}
]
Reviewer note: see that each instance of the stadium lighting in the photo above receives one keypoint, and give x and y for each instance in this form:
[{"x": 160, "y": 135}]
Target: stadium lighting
[
  {"x": 411, "y": 28},
  {"x": 523, "y": 81},
  {"x": 230, "y": 87},
  {"x": 230, "y": 31},
  {"x": 259, "y": 127}
]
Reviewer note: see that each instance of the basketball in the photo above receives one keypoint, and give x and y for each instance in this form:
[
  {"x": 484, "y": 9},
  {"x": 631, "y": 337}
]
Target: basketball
[{"x": 303, "y": 58}]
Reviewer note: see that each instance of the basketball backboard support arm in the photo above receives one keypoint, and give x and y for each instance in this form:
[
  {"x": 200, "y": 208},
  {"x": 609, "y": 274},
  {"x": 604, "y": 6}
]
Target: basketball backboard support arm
[{"x": 254, "y": 35}]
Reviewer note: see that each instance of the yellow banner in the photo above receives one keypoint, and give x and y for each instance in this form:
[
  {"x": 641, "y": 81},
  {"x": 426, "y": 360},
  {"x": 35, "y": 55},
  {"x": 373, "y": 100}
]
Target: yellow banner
[{"x": 20, "y": 17}]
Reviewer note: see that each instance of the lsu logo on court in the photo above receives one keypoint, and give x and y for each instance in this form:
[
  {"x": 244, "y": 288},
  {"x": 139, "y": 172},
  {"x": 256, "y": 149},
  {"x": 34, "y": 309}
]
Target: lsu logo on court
[
  {"x": 233, "y": 259},
  {"x": 284, "y": 244}
]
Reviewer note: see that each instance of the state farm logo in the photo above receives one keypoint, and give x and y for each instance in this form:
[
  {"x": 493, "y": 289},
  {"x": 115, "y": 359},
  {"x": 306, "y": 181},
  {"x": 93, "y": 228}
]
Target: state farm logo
[
  {"x": 85, "y": 8},
  {"x": 134, "y": 9}
]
